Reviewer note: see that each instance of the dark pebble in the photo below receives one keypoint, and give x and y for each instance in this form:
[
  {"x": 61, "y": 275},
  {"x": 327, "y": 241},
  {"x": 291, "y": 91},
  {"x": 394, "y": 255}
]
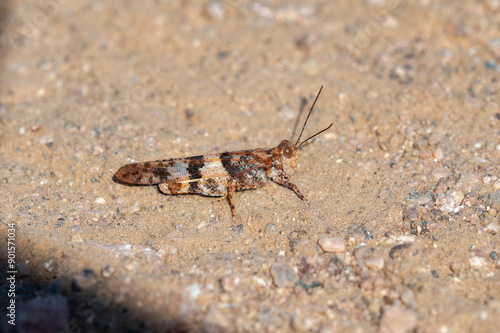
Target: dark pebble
[
  {"x": 86, "y": 279},
  {"x": 308, "y": 286},
  {"x": 492, "y": 64},
  {"x": 22, "y": 269},
  {"x": 283, "y": 275},
  {"x": 396, "y": 249},
  {"x": 410, "y": 213},
  {"x": 491, "y": 199},
  {"x": 271, "y": 228},
  {"x": 238, "y": 229}
]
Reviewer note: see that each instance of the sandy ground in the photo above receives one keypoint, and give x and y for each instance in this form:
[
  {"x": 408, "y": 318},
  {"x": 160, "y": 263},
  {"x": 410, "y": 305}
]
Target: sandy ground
[{"x": 400, "y": 232}]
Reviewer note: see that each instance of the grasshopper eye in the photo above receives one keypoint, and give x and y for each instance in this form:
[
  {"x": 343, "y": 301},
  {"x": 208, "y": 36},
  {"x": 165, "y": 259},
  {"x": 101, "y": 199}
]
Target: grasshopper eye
[{"x": 287, "y": 152}]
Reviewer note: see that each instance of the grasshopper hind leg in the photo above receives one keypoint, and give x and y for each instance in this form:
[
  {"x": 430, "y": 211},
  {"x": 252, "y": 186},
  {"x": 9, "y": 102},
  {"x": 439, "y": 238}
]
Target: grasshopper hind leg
[
  {"x": 173, "y": 188},
  {"x": 231, "y": 203},
  {"x": 181, "y": 188}
]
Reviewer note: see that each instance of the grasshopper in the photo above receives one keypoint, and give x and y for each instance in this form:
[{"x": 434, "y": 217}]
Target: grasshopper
[{"x": 220, "y": 175}]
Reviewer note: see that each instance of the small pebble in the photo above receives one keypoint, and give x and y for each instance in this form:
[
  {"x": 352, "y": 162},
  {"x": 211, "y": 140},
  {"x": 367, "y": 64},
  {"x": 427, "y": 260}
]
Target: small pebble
[
  {"x": 283, "y": 275},
  {"x": 493, "y": 228},
  {"x": 332, "y": 244},
  {"x": 36, "y": 128},
  {"x": 133, "y": 209},
  {"x": 405, "y": 238},
  {"x": 310, "y": 43},
  {"x": 447, "y": 203},
  {"x": 458, "y": 196},
  {"x": 230, "y": 282},
  {"x": 130, "y": 267},
  {"x": 86, "y": 279},
  {"x": 426, "y": 197},
  {"x": 412, "y": 197},
  {"x": 107, "y": 271},
  {"x": 22, "y": 269},
  {"x": 456, "y": 267},
  {"x": 441, "y": 186},
  {"x": 440, "y": 172},
  {"x": 271, "y": 228},
  {"x": 375, "y": 306},
  {"x": 396, "y": 319},
  {"x": 193, "y": 290},
  {"x": 425, "y": 154},
  {"x": 293, "y": 13},
  {"x": 97, "y": 150},
  {"x": 492, "y": 64},
  {"x": 494, "y": 46},
  {"x": 477, "y": 262},
  {"x": 491, "y": 199},
  {"x": 470, "y": 199},
  {"x": 189, "y": 113},
  {"x": 262, "y": 10},
  {"x": 398, "y": 72},
  {"x": 100, "y": 200},
  {"x": 493, "y": 255},
  {"x": 489, "y": 179},
  {"x": 49, "y": 264},
  {"x": 362, "y": 253},
  {"x": 469, "y": 180},
  {"x": 438, "y": 154},
  {"x": 215, "y": 10},
  {"x": 167, "y": 249},
  {"x": 375, "y": 264},
  {"x": 410, "y": 213},
  {"x": 46, "y": 140},
  {"x": 421, "y": 198},
  {"x": 420, "y": 144},
  {"x": 408, "y": 298}
]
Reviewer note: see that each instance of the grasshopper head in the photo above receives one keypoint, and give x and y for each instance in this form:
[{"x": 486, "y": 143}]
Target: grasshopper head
[{"x": 288, "y": 154}]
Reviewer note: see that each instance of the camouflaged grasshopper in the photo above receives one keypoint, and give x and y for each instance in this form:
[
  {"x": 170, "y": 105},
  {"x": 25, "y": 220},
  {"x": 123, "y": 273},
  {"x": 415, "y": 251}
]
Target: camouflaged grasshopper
[{"x": 219, "y": 175}]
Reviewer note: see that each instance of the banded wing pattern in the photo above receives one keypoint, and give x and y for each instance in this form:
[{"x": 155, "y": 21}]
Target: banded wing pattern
[
  {"x": 210, "y": 175},
  {"x": 171, "y": 170}
]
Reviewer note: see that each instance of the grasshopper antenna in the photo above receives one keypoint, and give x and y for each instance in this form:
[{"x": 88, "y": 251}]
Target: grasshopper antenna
[
  {"x": 303, "y": 104},
  {"x": 305, "y": 123},
  {"x": 315, "y": 135}
]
